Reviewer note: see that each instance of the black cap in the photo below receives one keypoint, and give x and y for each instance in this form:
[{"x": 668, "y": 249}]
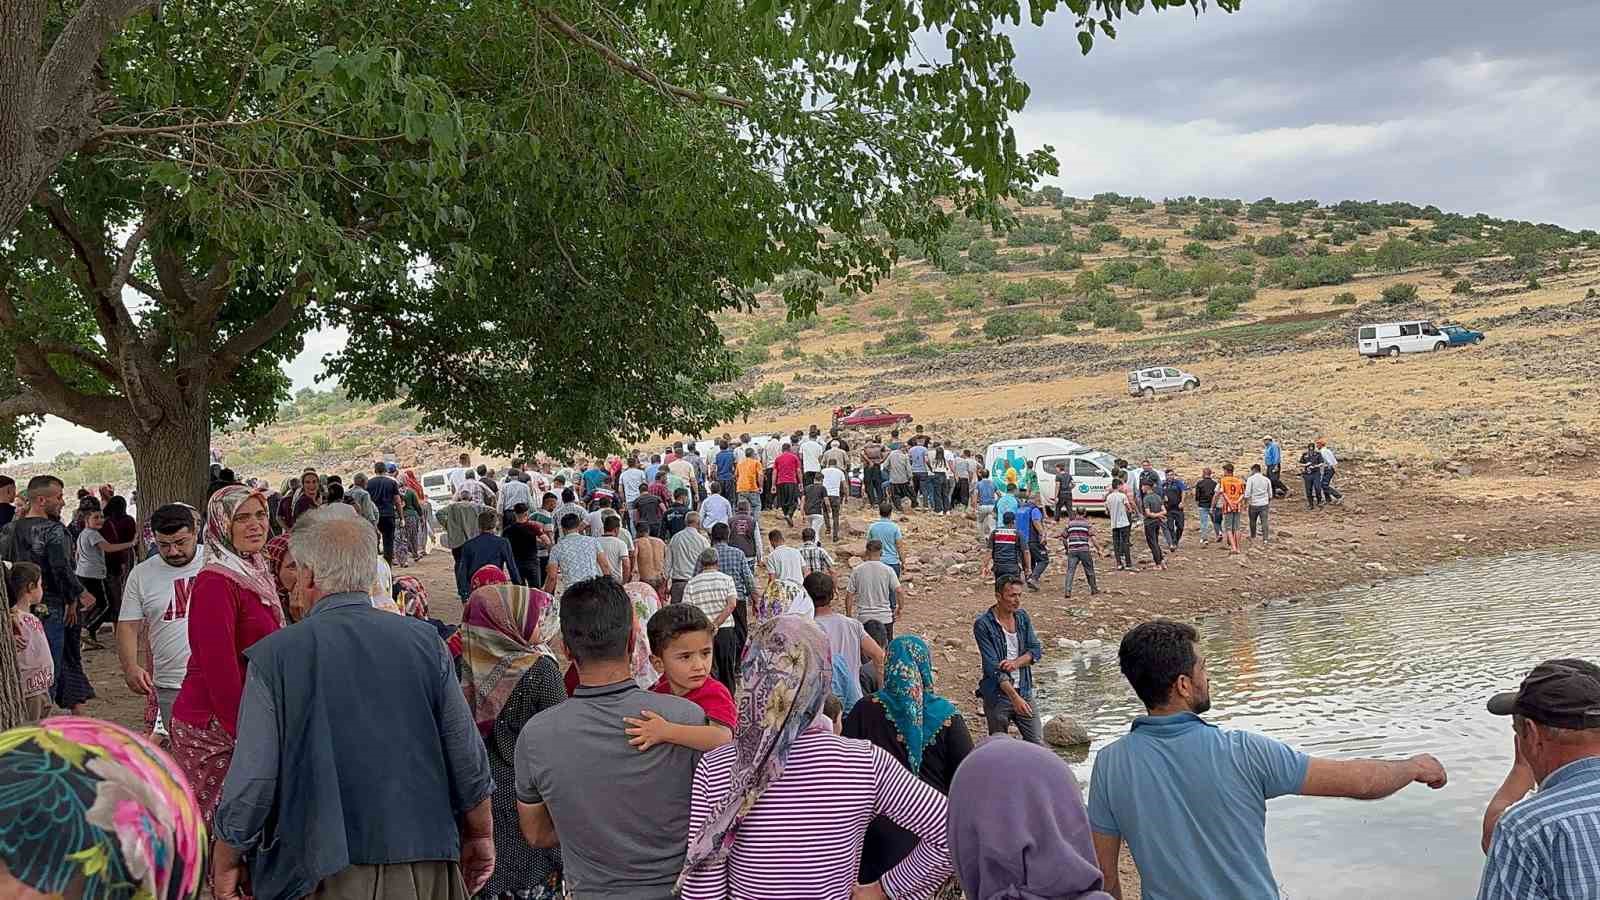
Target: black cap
[{"x": 1560, "y": 693}]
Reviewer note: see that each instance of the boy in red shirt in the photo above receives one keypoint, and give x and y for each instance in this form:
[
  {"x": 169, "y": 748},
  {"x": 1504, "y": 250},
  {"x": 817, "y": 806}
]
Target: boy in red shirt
[{"x": 680, "y": 648}]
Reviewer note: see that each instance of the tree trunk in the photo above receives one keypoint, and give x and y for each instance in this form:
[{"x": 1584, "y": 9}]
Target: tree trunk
[
  {"x": 10, "y": 682},
  {"x": 171, "y": 462}
]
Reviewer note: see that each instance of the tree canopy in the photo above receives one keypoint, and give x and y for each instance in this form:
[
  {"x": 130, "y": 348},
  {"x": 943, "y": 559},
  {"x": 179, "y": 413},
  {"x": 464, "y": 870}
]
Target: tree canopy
[{"x": 528, "y": 216}]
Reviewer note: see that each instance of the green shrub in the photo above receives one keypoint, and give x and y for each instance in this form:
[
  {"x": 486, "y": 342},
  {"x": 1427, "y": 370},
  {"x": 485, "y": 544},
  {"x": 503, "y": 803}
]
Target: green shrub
[
  {"x": 321, "y": 443},
  {"x": 1130, "y": 321},
  {"x": 1002, "y": 326},
  {"x": 1085, "y": 245},
  {"x": 768, "y": 395},
  {"x": 1323, "y": 270},
  {"x": 1062, "y": 259},
  {"x": 1243, "y": 277},
  {"x": 1395, "y": 254},
  {"x": 1168, "y": 311},
  {"x": 1104, "y": 232},
  {"x": 981, "y": 253},
  {"x": 791, "y": 351},
  {"x": 1099, "y": 212},
  {"x": 1533, "y": 283},
  {"x": 1464, "y": 286},
  {"x": 923, "y": 304},
  {"x": 964, "y": 296},
  {"x": 1065, "y": 327},
  {"x": 391, "y": 415},
  {"x": 1211, "y": 228},
  {"x": 1162, "y": 282},
  {"x": 1155, "y": 245},
  {"x": 1119, "y": 271},
  {"x": 1012, "y": 293},
  {"x": 1345, "y": 299},
  {"x": 1046, "y": 288},
  {"x": 1448, "y": 272},
  {"x": 1564, "y": 264},
  {"x": 1591, "y": 295},
  {"x": 1206, "y": 276},
  {"x": 1225, "y": 300},
  {"x": 754, "y": 355},
  {"x": 1405, "y": 292},
  {"x": 1244, "y": 257},
  {"x": 884, "y": 311},
  {"x": 903, "y": 336},
  {"x": 1197, "y": 250},
  {"x": 1089, "y": 280},
  {"x": 1288, "y": 218},
  {"x": 1275, "y": 245},
  {"x": 1281, "y": 272},
  {"x": 1342, "y": 235},
  {"x": 1108, "y": 312}
]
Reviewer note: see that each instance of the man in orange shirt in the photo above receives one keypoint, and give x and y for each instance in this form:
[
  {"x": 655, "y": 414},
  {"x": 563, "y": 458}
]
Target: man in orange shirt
[
  {"x": 748, "y": 475},
  {"x": 1232, "y": 489}
]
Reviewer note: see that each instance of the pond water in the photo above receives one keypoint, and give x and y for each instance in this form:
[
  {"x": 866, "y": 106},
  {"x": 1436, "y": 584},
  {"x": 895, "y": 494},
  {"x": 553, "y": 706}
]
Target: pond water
[{"x": 1388, "y": 671}]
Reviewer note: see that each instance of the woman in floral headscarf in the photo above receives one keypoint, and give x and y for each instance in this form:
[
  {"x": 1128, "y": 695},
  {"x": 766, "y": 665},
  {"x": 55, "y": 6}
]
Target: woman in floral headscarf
[
  {"x": 90, "y": 809},
  {"x": 285, "y": 572},
  {"x": 411, "y": 538},
  {"x": 786, "y": 770},
  {"x": 234, "y": 604},
  {"x": 921, "y": 729},
  {"x": 509, "y": 676}
]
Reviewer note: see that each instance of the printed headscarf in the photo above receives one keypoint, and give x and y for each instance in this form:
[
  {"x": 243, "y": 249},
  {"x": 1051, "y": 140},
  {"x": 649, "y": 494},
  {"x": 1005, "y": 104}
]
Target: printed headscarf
[
  {"x": 907, "y": 696},
  {"x": 1024, "y": 791},
  {"x": 275, "y": 551},
  {"x": 86, "y": 801},
  {"x": 783, "y": 682},
  {"x": 409, "y": 479},
  {"x": 499, "y": 643},
  {"x": 248, "y": 572},
  {"x": 413, "y": 599},
  {"x": 488, "y": 575},
  {"x": 645, "y": 602}
]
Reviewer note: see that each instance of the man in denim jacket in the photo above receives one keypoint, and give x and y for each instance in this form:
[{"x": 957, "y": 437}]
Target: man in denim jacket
[{"x": 1009, "y": 649}]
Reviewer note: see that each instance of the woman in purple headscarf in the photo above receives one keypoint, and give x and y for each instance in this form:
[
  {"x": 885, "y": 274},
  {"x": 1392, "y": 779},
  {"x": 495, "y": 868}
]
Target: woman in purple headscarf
[
  {"x": 1018, "y": 828},
  {"x": 757, "y": 803}
]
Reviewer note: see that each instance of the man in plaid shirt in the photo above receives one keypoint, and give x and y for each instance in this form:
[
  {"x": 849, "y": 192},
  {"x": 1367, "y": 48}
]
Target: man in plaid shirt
[{"x": 816, "y": 558}]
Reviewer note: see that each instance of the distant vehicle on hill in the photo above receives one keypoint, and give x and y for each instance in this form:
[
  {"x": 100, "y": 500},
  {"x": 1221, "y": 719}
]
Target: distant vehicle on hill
[
  {"x": 1395, "y": 338},
  {"x": 1163, "y": 380},
  {"x": 1461, "y": 334},
  {"x": 867, "y": 417}
]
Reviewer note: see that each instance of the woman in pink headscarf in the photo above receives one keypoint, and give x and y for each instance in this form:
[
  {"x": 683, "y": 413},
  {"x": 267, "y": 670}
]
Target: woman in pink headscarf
[{"x": 235, "y": 603}]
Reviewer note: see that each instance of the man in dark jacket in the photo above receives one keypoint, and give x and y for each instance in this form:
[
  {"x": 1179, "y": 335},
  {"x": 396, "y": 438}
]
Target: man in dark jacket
[
  {"x": 39, "y": 537},
  {"x": 423, "y": 827},
  {"x": 485, "y": 549}
]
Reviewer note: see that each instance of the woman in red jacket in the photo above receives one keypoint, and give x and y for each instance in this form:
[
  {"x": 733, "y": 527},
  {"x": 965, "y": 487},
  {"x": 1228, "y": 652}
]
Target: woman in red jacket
[{"x": 235, "y": 603}]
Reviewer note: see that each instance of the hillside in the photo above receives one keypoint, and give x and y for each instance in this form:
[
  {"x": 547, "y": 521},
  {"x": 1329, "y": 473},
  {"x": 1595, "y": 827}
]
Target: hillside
[{"x": 1033, "y": 331}]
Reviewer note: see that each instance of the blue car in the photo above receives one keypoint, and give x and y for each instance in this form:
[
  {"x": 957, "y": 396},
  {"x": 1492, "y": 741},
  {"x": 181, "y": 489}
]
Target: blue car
[{"x": 1460, "y": 335}]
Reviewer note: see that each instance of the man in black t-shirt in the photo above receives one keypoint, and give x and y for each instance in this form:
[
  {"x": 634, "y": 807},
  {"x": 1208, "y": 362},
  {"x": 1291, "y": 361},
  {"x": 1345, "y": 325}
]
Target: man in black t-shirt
[
  {"x": 530, "y": 545},
  {"x": 1205, "y": 492},
  {"x": 384, "y": 491},
  {"x": 676, "y": 516}
]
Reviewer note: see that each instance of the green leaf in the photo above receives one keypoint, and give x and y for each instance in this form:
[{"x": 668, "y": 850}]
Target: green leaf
[{"x": 1086, "y": 41}]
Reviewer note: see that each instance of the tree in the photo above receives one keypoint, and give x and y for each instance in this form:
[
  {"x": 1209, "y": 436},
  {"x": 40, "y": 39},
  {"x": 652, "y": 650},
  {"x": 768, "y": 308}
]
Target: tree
[{"x": 513, "y": 209}]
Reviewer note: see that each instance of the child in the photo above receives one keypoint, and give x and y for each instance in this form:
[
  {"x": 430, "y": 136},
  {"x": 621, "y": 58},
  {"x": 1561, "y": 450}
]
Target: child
[
  {"x": 34, "y": 665},
  {"x": 91, "y": 570},
  {"x": 680, "y": 647}
]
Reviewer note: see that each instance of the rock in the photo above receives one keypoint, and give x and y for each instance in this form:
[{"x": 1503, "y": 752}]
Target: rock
[
  {"x": 1062, "y": 731},
  {"x": 855, "y": 528},
  {"x": 1066, "y": 643},
  {"x": 1079, "y": 612}
]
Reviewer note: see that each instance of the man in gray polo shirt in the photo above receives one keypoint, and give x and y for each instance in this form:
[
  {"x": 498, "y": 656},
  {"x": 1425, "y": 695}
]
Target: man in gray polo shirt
[{"x": 619, "y": 815}]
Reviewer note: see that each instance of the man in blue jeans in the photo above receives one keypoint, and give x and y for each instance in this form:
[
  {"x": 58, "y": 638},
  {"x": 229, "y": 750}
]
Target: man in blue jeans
[
  {"x": 887, "y": 533},
  {"x": 1030, "y": 532},
  {"x": 1010, "y": 649}
]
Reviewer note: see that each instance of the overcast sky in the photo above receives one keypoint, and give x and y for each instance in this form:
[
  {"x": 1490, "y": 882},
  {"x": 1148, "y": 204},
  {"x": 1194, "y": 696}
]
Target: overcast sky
[{"x": 1490, "y": 106}]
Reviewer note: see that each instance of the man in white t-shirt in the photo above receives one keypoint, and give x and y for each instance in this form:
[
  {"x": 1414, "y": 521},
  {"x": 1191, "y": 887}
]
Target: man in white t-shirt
[
  {"x": 631, "y": 483},
  {"x": 1258, "y": 492},
  {"x": 783, "y": 561},
  {"x": 833, "y": 479},
  {"x": 811, "y": 455},
  {"x": 846, "y": 638},
  {"x": 157, "y": 595},
  {"x": 458, "y": 475}
]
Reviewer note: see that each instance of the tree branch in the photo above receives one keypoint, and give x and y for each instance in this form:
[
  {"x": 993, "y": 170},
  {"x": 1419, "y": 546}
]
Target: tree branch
[
  {"x": 24, "y": 404},
  {"x": 231, "y": 355},
  {"x": 100, "y": 412},
  {"x": 68, "y": 66},
  {"x": 84, "y": 355},
  {"x": 130, "y": 252},
  {"x": 615, "y": 60}
]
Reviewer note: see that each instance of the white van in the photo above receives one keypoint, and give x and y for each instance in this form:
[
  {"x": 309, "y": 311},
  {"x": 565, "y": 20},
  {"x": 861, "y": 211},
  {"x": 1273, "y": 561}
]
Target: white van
[
  {"x": 1395, "y": 338},
  {"x": 1091, "y": 477},
  {"x": 436, "y": 485},
  {"x": 1160, "y": 380},
  {"x": 1019, "y": 450}
]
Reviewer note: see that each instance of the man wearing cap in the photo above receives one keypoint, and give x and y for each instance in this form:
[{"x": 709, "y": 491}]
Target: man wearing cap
[{"x": 1548, "y": 845}]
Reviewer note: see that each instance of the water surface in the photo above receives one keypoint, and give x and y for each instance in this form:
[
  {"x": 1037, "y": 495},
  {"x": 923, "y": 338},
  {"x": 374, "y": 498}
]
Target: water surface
[{"x": 1388, "y": 671}]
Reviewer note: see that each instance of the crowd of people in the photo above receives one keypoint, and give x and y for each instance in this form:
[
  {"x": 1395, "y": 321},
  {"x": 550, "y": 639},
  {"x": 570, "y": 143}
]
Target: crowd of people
[{"x": 631, "y": 632}]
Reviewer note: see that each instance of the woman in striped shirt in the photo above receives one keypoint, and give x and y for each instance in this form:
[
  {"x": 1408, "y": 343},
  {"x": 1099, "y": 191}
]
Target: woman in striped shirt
[{"x": 781, "y": 812}]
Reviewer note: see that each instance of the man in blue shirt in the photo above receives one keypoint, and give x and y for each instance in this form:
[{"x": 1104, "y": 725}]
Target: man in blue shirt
[
  {"x": 725, "y": 460},
  {"x": 1030, "y": 534},
  {"x": 1546, "y": 846},
  {"x": 1009, "y": 649},
  {"x": 918, "y": 454},
  {"x": 1190, "y": 798},
  {"x": 1005, "y": 501},
  {"x": 983, "y": 498},
  {"x": 1272, "y": 458},
  {"x": 887, "y": 532}
]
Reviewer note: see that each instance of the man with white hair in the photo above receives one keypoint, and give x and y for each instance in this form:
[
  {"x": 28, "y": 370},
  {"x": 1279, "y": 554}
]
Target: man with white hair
[{"x": 307, "y": 729}]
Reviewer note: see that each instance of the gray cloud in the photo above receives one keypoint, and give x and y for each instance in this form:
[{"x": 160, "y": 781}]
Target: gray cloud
[{"x": 1489, "y": 107}]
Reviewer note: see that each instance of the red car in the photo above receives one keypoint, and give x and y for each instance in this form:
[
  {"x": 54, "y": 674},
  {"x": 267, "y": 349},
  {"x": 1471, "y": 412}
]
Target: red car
[{"x": 867, "y": 417}]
